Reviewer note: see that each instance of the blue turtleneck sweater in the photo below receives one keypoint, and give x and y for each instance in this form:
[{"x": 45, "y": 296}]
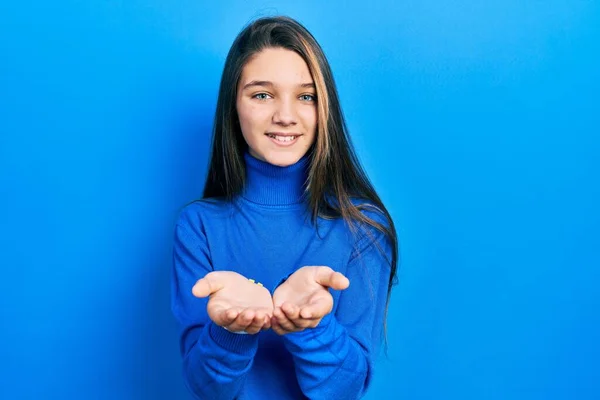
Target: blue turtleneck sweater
[{"x": 266, "y": 234}]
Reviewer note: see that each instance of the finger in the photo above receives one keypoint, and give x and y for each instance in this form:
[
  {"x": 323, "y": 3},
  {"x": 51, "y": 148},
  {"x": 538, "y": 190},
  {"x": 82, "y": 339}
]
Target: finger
[
  {"x": 294, "y": 315},
  {"x": 303, "y": 323},
  {"x": 267, "y": 323},
  {"x": 283, "y": 321},
  {"x": 257, "y": 322},
  {"x": 226, "y": 316},
  {"x": 277, "y": 328},
  {"x": 327, "y": 277},
  {"x": 316, "y": 310},
  {"x": 206, "y": 286},
  {"x": 291, "y": 311},
  {"x": 243, "y": 320}
]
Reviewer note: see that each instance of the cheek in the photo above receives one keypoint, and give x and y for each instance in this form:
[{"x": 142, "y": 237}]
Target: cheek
[
  {"x": 245, "y": 116},
  {"x": 251, "y": 118},
  {"x": 309, "y": 116}
]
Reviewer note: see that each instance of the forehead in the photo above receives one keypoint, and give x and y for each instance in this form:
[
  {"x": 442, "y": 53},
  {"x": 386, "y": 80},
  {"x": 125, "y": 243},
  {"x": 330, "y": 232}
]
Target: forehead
[{"x": 277, "y": 65}]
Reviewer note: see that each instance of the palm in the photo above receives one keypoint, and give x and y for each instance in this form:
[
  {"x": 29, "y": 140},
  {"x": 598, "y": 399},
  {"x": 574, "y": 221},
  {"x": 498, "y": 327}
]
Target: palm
[
  {"x": 235, "y": 302},
  {"x": 302, "y": 291}
]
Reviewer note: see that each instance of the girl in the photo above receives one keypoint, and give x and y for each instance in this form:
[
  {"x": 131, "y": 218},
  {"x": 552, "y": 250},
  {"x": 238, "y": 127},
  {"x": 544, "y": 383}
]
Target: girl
[{"x": 282, "y": 271}]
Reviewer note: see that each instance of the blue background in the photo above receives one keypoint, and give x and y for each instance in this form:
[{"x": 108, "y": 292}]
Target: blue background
[{"x": 478, "y": 122}]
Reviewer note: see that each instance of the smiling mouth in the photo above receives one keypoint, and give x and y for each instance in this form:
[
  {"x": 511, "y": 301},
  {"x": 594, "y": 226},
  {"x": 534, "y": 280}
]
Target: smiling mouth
[{"x": 283, "y": 138}]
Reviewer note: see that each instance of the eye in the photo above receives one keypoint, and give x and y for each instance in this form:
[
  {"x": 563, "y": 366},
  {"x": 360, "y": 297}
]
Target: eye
[
  {"x": 261, "y": 96},
  {"x": 308, "y": 97}
]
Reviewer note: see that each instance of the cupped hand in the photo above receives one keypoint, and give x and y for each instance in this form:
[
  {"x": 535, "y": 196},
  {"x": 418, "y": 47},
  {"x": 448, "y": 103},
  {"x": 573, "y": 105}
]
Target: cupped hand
[
  {"x": 235, "y": 303},
  {"x": 303, "y": 299}
]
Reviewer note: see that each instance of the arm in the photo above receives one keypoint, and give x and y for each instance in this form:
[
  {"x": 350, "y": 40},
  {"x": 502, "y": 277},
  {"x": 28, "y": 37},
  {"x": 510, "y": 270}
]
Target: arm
[
  {"x": 215, "y": 361},
  {"x": 335, "y": 359}
]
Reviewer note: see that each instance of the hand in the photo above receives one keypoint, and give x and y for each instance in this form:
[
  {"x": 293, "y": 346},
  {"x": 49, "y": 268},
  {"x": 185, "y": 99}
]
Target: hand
[
  {"x": 235, "y": 303},
  {"x": 304, "y": 299}
]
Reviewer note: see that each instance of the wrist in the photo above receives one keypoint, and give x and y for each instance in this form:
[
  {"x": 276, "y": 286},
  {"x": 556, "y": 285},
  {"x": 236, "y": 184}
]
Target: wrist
[
  {"x": 236, "y": 332},
  {"x": 241, "y": 344}
]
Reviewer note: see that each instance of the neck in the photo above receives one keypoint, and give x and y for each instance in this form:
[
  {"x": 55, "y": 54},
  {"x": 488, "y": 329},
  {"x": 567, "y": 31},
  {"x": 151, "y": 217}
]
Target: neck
[{"x": 268, "y": 184}]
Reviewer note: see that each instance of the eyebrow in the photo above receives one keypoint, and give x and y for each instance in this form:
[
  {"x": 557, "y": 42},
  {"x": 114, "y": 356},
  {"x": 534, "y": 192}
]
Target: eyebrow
[{"x": 270, "y": 84}]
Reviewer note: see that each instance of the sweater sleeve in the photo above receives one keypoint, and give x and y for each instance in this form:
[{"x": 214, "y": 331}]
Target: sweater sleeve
[
  {"x": 335, "y": 359},
  {"x": 215, "y": 361}
]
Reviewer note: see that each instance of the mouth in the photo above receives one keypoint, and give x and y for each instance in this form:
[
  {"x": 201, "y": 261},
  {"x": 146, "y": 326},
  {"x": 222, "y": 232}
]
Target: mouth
[{"x": 283, "y": 139}]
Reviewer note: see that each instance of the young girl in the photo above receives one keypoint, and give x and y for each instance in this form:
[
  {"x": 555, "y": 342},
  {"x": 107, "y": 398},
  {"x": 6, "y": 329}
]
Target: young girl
[{"x": 283, "y": 270}]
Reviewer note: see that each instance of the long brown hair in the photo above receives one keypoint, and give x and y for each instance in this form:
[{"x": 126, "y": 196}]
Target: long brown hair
[{"x": 335, "y": 176}]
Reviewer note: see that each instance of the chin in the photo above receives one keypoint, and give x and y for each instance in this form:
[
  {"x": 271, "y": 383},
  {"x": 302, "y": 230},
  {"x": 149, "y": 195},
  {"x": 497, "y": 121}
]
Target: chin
[{"x": 282, "y": 159}]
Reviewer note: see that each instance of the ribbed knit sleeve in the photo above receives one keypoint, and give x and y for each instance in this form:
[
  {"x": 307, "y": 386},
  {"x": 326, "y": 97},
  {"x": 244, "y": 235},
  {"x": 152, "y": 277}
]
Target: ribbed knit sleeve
[
  {"x": 335, "y": 360},
  {"x": 215, "y": 361}
]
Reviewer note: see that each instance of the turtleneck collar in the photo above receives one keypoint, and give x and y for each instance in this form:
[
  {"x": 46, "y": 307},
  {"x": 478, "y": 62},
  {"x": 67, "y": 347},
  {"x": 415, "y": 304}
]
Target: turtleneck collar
[{"x": 270, "y": 185}]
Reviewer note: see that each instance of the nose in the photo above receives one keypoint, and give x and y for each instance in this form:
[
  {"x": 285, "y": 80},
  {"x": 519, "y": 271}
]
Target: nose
[{"x": 284, "y": 113}]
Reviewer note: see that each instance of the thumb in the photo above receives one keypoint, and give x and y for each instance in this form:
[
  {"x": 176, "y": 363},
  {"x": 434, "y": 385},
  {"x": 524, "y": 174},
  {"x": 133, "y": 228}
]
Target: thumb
[
  {"x": 207, "y": 286},
  {"x": 327, "y": 277}
]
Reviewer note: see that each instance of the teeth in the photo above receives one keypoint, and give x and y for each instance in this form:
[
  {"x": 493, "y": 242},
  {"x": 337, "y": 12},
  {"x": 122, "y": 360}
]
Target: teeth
[{"x": 283, "y": 138}]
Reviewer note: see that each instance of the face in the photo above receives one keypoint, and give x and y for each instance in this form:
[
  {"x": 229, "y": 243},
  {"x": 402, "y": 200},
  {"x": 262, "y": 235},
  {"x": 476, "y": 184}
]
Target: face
[{"x": 277, "y": 106}]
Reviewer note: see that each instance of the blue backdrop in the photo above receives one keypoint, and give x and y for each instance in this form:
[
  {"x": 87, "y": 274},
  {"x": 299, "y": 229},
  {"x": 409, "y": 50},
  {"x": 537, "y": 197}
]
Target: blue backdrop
[{"x": 477, "y": 121}]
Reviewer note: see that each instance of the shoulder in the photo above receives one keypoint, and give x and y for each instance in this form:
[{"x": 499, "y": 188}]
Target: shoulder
[
  {"x": 374, "y": 214},
  {"x": 371, "y": 211},
  {"x": 375, "y": 228},
  {"x": 365, "y": 206},
  {"x": 198, "y": 213}
]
